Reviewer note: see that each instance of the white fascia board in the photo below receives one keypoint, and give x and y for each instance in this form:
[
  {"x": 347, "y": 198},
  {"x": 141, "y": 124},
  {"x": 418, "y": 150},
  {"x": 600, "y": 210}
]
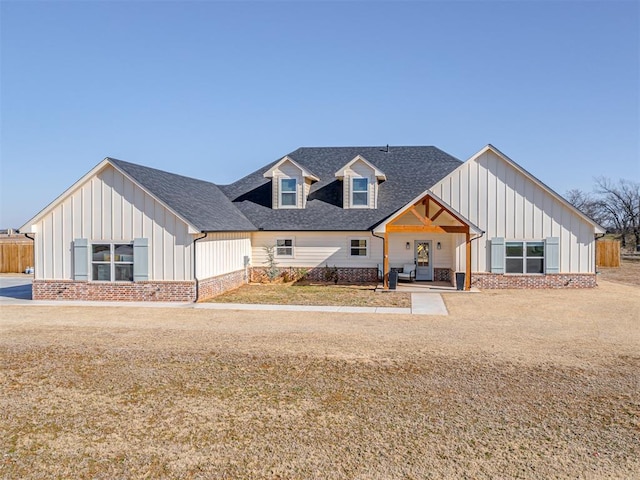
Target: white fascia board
[
  {"x": 29, "y": 227},
  {"x": 383, "y": 226},
  {"x": 305, "y": 173},
  {"x": 379, "y": 174},
  {"x": 597, "y": 228}
]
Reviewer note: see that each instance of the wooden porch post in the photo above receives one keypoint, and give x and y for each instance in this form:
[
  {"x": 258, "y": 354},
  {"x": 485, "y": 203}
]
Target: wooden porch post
[
  {"x": 385, "y": 262},
  {"x": 467, "y": 277}
]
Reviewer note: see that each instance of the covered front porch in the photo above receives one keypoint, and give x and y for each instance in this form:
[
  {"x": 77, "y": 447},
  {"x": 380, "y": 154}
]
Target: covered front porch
[{"x": 428, "y": 240}]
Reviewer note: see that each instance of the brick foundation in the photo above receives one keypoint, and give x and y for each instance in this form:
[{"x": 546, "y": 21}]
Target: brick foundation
[
  {"x": 560, "y": 280},
  {"x": 213, "y": 286},
  {"x": 442, "y": 274},
  {"x": 317, "y": 274},
  {"x": 151, "y": 291}
]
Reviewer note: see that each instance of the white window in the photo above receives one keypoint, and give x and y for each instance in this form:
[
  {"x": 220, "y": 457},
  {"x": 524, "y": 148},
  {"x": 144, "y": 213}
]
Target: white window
[
  {"x": 359, "y": 192},
  {"x": 288, "y": 195},
  {"x": 284, "y": 247},
  {"x": 524, "y": 257},
  {"x": 112, "y": 262},
  {"x": 358, "y": 247}
]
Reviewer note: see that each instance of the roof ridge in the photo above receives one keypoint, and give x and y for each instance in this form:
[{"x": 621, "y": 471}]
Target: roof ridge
[{"x": 138, "y": 165}]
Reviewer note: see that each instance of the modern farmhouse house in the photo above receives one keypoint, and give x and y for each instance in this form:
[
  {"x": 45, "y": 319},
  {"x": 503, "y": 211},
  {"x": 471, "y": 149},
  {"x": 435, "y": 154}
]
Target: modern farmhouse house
[{"x": 129, "y": 232}]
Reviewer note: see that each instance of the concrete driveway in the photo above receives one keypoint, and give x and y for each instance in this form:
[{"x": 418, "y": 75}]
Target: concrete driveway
[{"x": 15, "y": 287}]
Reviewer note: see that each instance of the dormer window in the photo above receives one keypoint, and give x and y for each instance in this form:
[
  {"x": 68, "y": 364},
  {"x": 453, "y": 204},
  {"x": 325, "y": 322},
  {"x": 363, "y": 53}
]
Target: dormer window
[
  {"x": 360, "y": 192},
  {"x": 288, "y": 192},
  {"x": 290, "y": 184},
  {"x": 360, "y": 180}
]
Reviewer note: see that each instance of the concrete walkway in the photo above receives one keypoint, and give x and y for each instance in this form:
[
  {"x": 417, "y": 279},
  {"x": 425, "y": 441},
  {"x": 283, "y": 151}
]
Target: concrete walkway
[
  {"x": 17, "y": 291},
  {"x": 428, "y": 304}
]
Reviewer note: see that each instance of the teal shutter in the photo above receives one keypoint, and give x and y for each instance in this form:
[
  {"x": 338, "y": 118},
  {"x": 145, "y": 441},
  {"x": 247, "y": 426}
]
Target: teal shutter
[
  {"x": 81, "y": 259},
  {"x": 497, "y": 255},
  {"x": 140, "y": 259},
  {"x": 552, "y": 255}
]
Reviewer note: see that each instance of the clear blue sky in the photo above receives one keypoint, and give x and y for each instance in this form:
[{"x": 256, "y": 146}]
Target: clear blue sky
[{"x": 216, "y": 90}]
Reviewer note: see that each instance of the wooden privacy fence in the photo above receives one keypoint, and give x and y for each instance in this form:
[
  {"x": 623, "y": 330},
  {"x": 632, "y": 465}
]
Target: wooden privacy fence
[
  {"x": 15, "y": 255},
  {"x": 608, "y": 253}
]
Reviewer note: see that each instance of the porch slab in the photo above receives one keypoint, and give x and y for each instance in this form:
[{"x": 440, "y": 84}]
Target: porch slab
[{"x": 425, "y": 287}]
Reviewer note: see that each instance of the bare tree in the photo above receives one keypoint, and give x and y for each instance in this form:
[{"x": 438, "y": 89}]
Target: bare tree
[
  {"x": 621, "y": 206},
  {"x": 588, "y": 204}
]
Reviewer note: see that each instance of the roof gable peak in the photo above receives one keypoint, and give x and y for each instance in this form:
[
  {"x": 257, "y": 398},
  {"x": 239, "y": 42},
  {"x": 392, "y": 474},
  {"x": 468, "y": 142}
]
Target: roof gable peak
[
  {"x": 379, "y": 174},
  {"x": 270, "y": 173}
]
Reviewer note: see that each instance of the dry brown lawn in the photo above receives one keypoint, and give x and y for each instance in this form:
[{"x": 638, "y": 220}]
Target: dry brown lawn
[
  {"x": 357, "y": 295},
  {"x": 628, "y": 272},
  {"x": 512, "y": 384}
]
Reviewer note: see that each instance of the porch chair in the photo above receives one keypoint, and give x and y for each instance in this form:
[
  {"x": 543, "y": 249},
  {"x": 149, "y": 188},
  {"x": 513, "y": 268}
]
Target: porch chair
[{"x": 408, "y": 272}]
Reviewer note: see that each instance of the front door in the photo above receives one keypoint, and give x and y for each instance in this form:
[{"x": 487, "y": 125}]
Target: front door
[{"x": 424, "y": 270}]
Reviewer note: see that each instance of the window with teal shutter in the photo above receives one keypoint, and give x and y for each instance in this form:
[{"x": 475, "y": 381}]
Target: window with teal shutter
[
  {"x": 140, "y": 259},
  {"x": 81, "y": 259},
  {"x": 497, "y": 255},
  {"x": 552, "y": 245}
]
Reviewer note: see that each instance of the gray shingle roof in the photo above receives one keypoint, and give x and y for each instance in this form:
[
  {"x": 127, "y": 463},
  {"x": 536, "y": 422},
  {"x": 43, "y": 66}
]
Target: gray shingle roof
[
  {"x": 200, "y": 203},
  {"x": 410, "y": 171}
]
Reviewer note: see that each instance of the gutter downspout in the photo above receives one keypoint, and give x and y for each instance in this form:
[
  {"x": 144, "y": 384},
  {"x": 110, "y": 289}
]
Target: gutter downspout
[
  {"x": 383, "y": 240},
  {"x": 34, "y": 254},
  {"x": 597, "y": 237},
  {"x": 195, "y": 276}
]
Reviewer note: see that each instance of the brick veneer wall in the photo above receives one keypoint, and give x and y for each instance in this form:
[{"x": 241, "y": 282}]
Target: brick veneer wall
[
  {"x": 210, "y": 287},
  {"x": 560, "y": 280},
  {"x": 442, "y": 274},
  {"x": 150, "y": 291},
  {"x": 317, "y": 274}
]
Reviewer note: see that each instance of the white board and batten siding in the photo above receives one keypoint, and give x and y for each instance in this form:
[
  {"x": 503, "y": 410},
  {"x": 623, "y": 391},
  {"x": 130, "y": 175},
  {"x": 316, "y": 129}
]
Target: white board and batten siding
[
  {"x": 503, "y": 201},
  {"x": 317, "y": 249},
  {"x": 109, "y": 207},
  {"x": 221, "y": 253}
]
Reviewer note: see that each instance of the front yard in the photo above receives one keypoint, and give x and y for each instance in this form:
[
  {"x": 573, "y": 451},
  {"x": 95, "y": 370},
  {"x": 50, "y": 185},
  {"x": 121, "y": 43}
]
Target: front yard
[
  {"x": 304, "y": 293},
  {"x": 512, "y": 384}
]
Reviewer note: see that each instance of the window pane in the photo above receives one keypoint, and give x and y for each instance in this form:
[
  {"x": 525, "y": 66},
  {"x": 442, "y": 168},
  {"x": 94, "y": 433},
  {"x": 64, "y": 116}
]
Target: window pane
[
  {"x": 360, "y": 198},
  {"x": 288, "y": 184},
  {"x": 102, "y": 272},
  {"x": 358, "y": 247},
  {"x": 535, "y": 249},
  {"x": 535, "y": 265},
  {"x": 123, "y": 253},
  {"x": 289, "y": 199},
  {"x": 360, "y": 184},
  {"x": 514, "y": 265},
  {"x": 284, "y": 247},
  {"x": 101, "y": 253},
  {"x": 124, "y": 273},
  {"x": 513, "y": 249}
]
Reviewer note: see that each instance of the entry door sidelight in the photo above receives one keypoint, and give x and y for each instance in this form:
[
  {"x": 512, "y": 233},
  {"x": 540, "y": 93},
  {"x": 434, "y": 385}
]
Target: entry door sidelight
[{"x": 424, "y": 270}]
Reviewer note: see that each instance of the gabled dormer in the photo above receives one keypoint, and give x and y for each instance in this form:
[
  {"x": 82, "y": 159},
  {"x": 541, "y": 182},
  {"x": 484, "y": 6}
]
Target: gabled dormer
[
  {"x": 290, "y": 184},
  {"x": 360, "y": 183}
]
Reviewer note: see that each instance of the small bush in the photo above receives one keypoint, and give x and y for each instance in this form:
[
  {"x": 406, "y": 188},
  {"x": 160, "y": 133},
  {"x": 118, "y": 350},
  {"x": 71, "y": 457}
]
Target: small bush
[
  {"x": 331, "y": 274},
  {"x": 272, "y": 266}
]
